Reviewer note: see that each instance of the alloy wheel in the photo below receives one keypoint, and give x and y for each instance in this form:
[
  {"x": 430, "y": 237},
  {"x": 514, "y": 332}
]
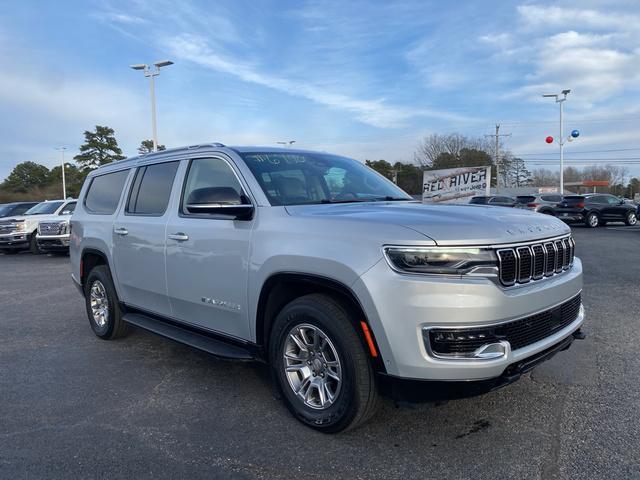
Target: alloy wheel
[
  {"x": 99, "y": 303},
  {"x": 312, "y": 366}
]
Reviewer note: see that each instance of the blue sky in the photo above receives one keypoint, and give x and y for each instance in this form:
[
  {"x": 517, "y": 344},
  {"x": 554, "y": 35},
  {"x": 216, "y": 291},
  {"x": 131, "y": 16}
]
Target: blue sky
[{"x": 364, "y": 79}]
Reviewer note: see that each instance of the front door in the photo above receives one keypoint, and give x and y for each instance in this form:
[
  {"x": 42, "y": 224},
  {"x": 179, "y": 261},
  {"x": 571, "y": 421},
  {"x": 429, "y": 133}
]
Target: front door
[
  {"x": 139, "y": 234},
  {"x": 208, "y": 255}
]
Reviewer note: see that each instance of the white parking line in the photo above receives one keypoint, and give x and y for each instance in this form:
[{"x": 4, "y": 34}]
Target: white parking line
[{"x": 625, "y": 229}]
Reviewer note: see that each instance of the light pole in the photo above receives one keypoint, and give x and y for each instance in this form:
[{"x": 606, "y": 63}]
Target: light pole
[
  {"x": 560, "y": 100},
  {"x": 64, "y": 186},
  {"x": 151, "y": 72}
]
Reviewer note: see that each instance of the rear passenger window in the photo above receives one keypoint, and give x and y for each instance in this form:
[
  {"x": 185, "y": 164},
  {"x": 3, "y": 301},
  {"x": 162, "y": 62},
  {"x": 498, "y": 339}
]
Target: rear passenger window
[
  {"x": 104, "y": 192},
  {"x": 151, "y": 189}
]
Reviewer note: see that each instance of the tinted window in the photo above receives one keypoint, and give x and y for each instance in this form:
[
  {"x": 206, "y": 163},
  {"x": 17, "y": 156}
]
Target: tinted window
[
  {"x": 501, "y": 200},
  {"x": 525, "y": 199},
  {"x": 44, "y": 208},
  {"x": 208, "y": 177},
  {"x": 152, "y": 188},
  {"x": 612, "y": 200},
  {"x": 5, "y": 210},
  {"x": 478, "y": 200},
  {"x": 572, "y": 200},
  {"x": 68, "y": 209},
  {"x": 598, "y": 199},
  {"x": 551, "y": 198},
  {"x": 104, "y": 192}
]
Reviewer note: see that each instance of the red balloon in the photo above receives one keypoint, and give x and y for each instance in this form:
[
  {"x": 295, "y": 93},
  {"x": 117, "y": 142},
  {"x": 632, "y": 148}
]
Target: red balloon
[{"x": 549, "y": 139}]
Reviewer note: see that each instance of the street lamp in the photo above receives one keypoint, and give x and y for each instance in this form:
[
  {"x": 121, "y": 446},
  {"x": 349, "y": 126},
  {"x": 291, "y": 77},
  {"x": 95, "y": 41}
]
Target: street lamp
[
  {"x": 64, "y": 186},
  {"x": 560, "y": 99},
  {"x": 151, "y": 72}
]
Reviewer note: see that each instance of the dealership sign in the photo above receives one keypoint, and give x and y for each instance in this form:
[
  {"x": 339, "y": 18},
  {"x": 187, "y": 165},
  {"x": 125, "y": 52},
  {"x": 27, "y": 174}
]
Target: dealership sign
[{"x": 455, "y": 183}]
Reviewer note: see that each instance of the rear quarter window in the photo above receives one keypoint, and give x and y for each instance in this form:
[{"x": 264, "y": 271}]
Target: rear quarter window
[{"x": 104, "y": 192}]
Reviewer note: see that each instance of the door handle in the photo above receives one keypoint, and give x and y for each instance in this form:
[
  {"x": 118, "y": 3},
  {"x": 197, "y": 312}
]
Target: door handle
[
  {"x": 179, "y": 237},
  {"x": 120, "y": 231}
]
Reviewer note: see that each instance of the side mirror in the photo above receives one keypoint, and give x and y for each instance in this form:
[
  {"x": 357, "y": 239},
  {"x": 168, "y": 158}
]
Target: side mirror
[
  {"x": 622, "y": 202},
  {"x": 219, "y": 201},
  {"x": 66, "y": 212}
]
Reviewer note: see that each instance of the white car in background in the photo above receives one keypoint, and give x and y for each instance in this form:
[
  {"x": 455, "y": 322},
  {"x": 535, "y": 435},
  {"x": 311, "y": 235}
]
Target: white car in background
[
  {"x": 20, "y": 232},
  {"x": 53, "y": 233}
]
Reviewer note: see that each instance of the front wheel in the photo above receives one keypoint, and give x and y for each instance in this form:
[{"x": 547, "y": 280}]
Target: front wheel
[
  {"x": 593, "y": 220},
  {"x": 33, "y": 245},
  {"x": 631, "y": 219},
  {"x": 320, "y": 365}
]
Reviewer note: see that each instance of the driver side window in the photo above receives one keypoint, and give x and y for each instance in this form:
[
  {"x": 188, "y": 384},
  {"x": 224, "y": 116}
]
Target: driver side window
[{"x": 211, "y": 181}]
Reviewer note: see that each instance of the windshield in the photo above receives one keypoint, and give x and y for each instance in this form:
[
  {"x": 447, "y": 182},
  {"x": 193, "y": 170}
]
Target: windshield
[
  {"x": 4, "y": 210},
  {"x": 44, "y": 208},
  {"x": 304, "y": 178}
]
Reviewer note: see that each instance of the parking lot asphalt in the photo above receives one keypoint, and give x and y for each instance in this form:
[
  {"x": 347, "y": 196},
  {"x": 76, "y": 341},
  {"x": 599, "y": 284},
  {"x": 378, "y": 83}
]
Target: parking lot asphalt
[{"x": 75, "y": 406}]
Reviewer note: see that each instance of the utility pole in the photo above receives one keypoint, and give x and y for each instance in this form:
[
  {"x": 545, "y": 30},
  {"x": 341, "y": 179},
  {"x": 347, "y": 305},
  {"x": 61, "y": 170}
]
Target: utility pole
[
  {"x": 497, "y": 135},
  {"x": 64, "y": 185}
]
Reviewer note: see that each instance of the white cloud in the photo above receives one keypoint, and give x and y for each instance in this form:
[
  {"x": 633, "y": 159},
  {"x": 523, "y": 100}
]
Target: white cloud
[
  {"x": 538, "y": 16},
  {"x": 375, "y": 112}
]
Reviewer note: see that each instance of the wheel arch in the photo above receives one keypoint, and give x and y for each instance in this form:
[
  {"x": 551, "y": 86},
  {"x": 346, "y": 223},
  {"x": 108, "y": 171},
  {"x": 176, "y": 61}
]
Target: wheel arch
[
  {"x": 283, "y": 287},
  {"x": 89, "y": 259}
]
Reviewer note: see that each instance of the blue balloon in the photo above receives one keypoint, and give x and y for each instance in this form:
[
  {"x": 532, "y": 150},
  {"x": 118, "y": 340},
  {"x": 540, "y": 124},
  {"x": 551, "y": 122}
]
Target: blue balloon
[{"x": 575, "y": 133}]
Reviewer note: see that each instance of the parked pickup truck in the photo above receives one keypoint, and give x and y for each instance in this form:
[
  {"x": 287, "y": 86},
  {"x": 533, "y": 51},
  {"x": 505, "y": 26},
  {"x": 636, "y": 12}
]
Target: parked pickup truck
[
  {"x": 19, "y": 232},
  {"x": 53, "y": 234},
  {"x": 326, "y": 271}
]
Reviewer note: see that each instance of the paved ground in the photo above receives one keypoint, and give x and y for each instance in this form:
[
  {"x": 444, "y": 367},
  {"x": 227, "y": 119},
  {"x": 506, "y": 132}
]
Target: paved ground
[{"x": 72, "y": 405}]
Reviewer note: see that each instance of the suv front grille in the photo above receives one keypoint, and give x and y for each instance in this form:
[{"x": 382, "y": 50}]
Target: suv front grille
[
  {"x": 519, "y": 333},
  {"x": 533, "y": 261}
]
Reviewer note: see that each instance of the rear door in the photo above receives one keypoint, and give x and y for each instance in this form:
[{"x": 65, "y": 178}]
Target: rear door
[
  {"x": 208, "y": 255},
  {"x": 139, "y": 238},
  {"x": 614, "y": 209}
]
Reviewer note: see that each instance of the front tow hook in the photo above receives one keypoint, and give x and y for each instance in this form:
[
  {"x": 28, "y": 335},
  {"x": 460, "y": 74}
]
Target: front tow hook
[{"x": 579, "y": 335}]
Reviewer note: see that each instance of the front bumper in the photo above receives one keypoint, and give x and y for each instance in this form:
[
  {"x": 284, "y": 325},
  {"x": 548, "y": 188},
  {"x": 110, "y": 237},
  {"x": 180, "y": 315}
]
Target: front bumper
[
  {"x": 399, "y": 308},
  {"x": 418, "y": 391},
  {"x": 14, "y": 240},
  {"x": 53, "y": 242}
]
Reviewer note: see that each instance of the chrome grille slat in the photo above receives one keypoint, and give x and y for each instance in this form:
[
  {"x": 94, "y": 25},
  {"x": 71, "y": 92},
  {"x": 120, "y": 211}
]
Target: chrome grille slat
[
  {"x": 533, "y": 261},
  {"x": 49, "y": 228}
]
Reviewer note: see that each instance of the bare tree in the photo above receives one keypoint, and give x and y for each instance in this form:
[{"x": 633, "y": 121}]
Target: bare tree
[{"x": 434, "y": 145}]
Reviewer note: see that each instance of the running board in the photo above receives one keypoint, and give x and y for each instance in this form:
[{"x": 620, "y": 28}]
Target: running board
[{"x": 208, "y": 344}]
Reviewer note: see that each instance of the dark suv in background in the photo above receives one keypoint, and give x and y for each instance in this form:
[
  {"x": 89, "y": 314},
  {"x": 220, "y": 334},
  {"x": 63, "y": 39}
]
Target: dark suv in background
[{"x": 596, "y": 209}]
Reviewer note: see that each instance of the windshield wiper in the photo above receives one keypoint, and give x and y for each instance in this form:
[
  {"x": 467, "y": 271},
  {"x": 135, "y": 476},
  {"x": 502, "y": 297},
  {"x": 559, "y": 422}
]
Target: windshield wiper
[
  {"x": 389, "y": 198},
  {"x": 353, "y": 200}
]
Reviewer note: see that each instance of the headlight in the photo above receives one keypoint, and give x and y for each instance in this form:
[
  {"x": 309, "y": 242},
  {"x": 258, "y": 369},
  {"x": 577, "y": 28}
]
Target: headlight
[
  {"x": 442, "y": 260},
  {"x": 65, "y": 228},
  {"x": 19, "y": 226}
]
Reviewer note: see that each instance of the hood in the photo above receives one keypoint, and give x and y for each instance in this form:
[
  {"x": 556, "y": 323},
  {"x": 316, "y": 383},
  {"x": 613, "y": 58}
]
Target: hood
[
  {"x": 447, "y": 224},
  {"x": 35, "y": 218}
]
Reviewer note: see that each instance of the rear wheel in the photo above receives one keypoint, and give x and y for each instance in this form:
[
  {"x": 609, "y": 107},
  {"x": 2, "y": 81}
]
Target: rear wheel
[
  {"x": 631, "y": 219},
  {"x": 592, "y": 220},
  {"x": 320, "y": 365},
  {"x": 103, "y": 307}
]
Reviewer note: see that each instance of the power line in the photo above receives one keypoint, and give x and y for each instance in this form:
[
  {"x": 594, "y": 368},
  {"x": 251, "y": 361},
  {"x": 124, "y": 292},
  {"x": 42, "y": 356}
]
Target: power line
[{"x": 585, "y": 151}]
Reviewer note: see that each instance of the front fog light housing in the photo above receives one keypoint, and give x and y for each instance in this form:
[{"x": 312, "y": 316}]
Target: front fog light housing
[{"x": 442, "y": 260}]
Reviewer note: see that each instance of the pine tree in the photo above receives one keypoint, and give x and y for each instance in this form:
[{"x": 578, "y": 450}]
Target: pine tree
[
  {"x": 146, "y": 146},
  {"x": 99, "y": 148}
]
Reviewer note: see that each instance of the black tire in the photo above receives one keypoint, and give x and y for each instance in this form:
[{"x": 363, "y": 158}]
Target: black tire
[
  {"x": 33, "y": 245},
  {"x": 114, "y": 326},
  {"x": 592, "y": 220},
  {"x": 357, "y": 399},
  {"x": 631, "y": 219}
]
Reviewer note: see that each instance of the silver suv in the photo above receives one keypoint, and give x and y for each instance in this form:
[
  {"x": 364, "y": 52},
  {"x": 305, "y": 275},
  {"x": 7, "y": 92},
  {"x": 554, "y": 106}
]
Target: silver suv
[{"x": 325, "y": 270}]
